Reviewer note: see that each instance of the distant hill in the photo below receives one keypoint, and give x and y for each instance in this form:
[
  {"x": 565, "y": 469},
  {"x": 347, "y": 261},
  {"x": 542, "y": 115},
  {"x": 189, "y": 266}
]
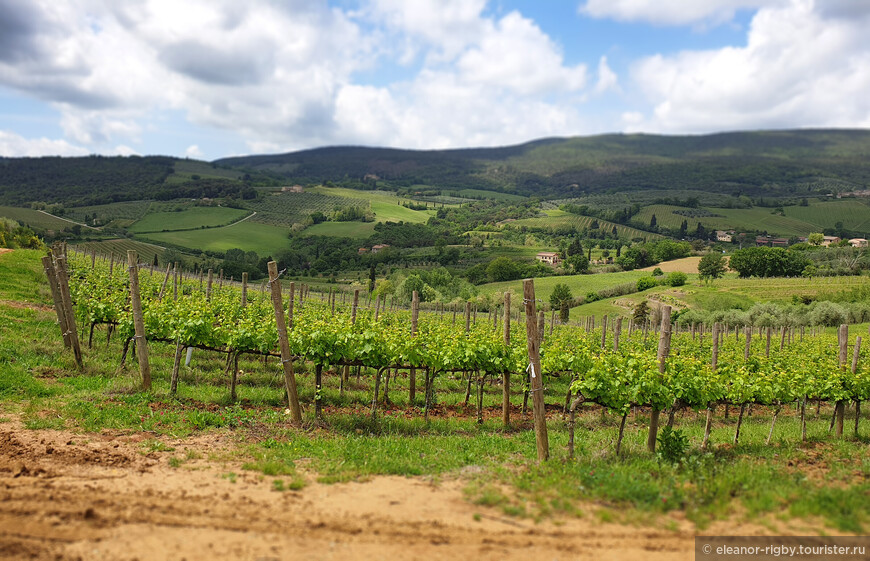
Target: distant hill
[
  {"x": 757, "y": 164},
  {"x": 96, "y": 180},
  {"x": 765, "y": 163}
]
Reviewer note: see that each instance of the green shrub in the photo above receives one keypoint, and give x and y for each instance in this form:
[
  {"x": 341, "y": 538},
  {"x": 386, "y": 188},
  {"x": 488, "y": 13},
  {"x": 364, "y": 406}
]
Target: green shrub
[
  {"x": 676, "y": 278},
  {"x": 644, "y": 283}
]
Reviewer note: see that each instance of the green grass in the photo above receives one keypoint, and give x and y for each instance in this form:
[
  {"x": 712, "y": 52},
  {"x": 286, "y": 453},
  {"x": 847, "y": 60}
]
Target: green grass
[
  {"x": 853, "y": 213},
  {"x": 798, "y": 220},
  {"x": 187, "y": 219},
  {"x": 119, "y": 214},
  {"x": 383, "y": 204},
  {"x": 579, "y": 284},
  {"x": 341, "y": 229},
  {"x": 248, "y": 236},
  {"x": 740, "y": 219},
  {"x": 35, "y": 219}
]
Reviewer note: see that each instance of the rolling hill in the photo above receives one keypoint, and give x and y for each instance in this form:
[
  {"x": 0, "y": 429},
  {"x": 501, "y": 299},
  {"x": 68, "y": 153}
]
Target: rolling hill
[{"x": 764, "y": 163}]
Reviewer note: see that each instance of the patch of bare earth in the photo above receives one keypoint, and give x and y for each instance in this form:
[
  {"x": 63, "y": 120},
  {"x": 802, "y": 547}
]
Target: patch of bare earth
[
  {"x": 66, "y": 496},
  {"x": 684, "y": 265}
]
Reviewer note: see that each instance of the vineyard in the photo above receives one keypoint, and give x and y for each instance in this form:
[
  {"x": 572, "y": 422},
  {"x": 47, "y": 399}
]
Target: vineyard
[
  {"x": 558, "y": 219},
  {"x": 646, "y": 365},
  {"x": 286, "y": 209}
]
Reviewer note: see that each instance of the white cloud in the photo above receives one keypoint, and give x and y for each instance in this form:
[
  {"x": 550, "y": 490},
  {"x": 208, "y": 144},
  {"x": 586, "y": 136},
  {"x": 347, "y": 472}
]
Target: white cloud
[
  {"x": 798, "y": 69},
  {"x": 13, "y": 145},
  {"x": 672, "y": 12},
  {"x": 194, "y": 152},
  {"x": 124, "y": 150},
  {"x": 285, "y": 75},
  {"x": 607, "y": 78}
]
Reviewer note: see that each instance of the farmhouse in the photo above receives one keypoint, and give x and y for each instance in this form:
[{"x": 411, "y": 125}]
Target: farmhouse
[
  {"x": 829, "y": 240},
  {"x": 379, "y": 247},
  {"x": 858, "y": 242},
  {"x": 549, "y": 257},
  {"x": 724, "y": 236}
]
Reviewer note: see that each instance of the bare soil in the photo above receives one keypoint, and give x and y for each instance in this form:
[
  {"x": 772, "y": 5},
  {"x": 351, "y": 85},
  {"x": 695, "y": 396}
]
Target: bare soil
[
  {"x": 109, "y": 496},
  {"x": 685, "y": 265}
]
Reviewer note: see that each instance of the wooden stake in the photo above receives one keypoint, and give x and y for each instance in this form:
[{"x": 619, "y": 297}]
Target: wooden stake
[
  {"x": 855, "y": 355},
  {"x": 286, "y": 357},
  {"x": 843, "y": 340},
  {"x": 714, "y": 362},
  {"x": 50, "y": 274},
  {"x": 663, "y": 352},
  {"x": 506, "y": 376},
  {"x": 138, "y": 320},
  {"x": 66, "y": 300},
  {"x": 412, "y": 373},
  {"x": 537, "y": 388}
]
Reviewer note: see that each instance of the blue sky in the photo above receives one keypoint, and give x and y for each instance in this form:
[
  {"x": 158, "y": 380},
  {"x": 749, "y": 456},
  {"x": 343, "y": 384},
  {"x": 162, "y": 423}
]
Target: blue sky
[{"x": 213, "y": 78}]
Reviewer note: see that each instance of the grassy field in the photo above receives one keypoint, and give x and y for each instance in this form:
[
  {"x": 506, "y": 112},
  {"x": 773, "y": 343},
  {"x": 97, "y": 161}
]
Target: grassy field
[
  {"x": 342, "y": 229},
  {"x": 723, "y": 293},
  {"x": 118, "y": 214},
  {"x": 187, "y": 219},
  {"x": 34, "y": 218},
  {"x": 247, "y": 236},
  {"x": 739, "y": 219},
  {"x": 798, "y": 221},
  {"x": 579, "y": 284},
  {"x": 384, "y": 204},
  {"x": 853, "y": 213},
  {"x": 120, "y": 247},
  {"x": 822, "y": 483}
]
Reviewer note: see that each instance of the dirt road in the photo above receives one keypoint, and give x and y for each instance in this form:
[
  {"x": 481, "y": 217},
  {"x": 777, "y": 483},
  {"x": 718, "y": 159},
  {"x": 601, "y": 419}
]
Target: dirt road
[{"x": 65, "y": 496}]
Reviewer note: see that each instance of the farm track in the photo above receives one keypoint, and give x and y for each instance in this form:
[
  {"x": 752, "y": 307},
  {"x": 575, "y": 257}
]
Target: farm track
[{"x": 66, "y": 496}]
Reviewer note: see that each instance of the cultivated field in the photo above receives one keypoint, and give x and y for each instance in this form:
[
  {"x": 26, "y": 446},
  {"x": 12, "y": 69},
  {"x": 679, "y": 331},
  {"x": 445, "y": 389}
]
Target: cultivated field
[
  {"x": 557, "y": 218},
  {"x": 35, "y": 218},
  {"x": 247, "y": 235},
  {"x": 188, "y": 219}
]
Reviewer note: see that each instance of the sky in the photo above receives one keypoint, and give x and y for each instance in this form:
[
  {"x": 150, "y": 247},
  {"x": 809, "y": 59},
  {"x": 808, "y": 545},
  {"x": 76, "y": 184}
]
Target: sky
[{"x": 207, "y": 79}]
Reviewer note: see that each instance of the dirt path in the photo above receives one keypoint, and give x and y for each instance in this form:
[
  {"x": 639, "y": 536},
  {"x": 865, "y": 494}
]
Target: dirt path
[{"x": 105, "y": 497}]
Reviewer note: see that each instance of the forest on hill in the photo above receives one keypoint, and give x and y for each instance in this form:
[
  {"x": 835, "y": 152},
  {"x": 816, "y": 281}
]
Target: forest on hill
[{"x": 775, "y": 163}]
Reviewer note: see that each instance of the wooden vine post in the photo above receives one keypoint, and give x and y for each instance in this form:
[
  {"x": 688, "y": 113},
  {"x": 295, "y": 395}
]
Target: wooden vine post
[
  {"x": 843, "y": 340},
  {"x": 345, "y": 372},
  {"x": 855, "y": 355},
  {"x": 506, "y": 375},
  {"x": 662, "y": 357},
  {"x": 286, "y": 358},
  {"x": 537, "y": 386},
  {"x": 138, "y": 320},
  {"x": 66, "y": 302},
  {"x": 412, "y": 373},
  {"x": 714, "y": 362},
  {"x": 50, "y": 274}
]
